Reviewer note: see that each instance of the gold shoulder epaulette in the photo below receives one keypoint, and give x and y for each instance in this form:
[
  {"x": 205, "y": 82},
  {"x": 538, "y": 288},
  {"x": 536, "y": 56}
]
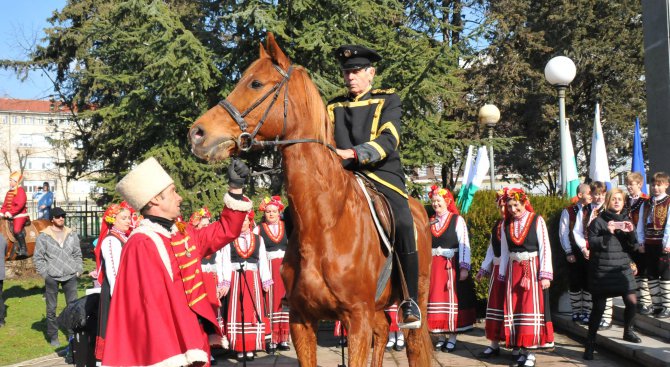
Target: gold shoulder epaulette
[{"x": 383, "y": 91}]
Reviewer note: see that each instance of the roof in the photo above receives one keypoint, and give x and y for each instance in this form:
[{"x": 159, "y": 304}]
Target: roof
[{"x": 31, "y": 105}]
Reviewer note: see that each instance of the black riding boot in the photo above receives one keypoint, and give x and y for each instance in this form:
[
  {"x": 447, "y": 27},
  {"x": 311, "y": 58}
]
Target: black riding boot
[
  {"x": 410, "y": 308},
  {"x": 590, "y": 348},
  {"x": 21, "y": 241}
]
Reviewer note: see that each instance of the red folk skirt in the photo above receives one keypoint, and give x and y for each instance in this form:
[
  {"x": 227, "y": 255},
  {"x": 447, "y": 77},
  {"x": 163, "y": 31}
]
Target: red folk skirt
[
  {"x": 254, "y": 331},
  {"x": 527, "y": 315},
  {"x": 279, "y": 326},
  {"x": 445, "y": 314},
  {"x": 494, "y": 307},
  {"x": 392, "y": 312}
]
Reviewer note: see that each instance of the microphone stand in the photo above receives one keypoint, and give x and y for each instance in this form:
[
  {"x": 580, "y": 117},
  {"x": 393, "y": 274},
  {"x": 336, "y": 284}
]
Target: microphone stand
[{"x": 243, "y": 277}]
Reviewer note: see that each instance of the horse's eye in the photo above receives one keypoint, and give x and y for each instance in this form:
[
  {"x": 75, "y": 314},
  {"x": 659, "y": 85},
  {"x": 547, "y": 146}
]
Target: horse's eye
[{"x": 256, "y": 84}]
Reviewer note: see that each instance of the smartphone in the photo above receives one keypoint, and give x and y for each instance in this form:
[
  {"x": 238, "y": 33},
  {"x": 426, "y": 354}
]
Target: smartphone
[{"x": 620, "y": 225}]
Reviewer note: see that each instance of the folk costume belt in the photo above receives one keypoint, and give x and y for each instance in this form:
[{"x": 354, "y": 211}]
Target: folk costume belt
[
  {"x": 522, "y": 256},
  {"x": 496, "y": 261},
  {"x": 445, "y": 252},
  {"x": 245, "y": 266},
  {"x": 276, "y": 254}
]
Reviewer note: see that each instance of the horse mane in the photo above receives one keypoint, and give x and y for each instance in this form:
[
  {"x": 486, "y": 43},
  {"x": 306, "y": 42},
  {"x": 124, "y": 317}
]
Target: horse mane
[{"x": 316, "y": 109}]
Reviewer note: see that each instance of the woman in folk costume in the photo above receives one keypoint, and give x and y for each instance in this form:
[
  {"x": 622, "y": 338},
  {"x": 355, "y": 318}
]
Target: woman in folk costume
[
  {"x": 113, "y": 235},
  {"x": 273, "y": 232},
  {"x": 490, "y": 268},
  {"x": 245, "y": 263},
  {"x": 396, "y": 337},
  {"x": 451, "y": 298},
  {"x": 212, "y": 274},
  {"x": 525, "y": 266},
  {"x": 14, "y": 207}
]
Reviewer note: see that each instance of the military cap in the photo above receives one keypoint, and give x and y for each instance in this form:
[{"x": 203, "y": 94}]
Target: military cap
[{"x": 355, "y": 56}]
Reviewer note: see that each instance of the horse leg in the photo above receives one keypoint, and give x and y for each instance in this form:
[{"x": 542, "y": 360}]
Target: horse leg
[
  {"x": 359, "y": 328},
  {"x": 303, "y": 333},
  {"x": 381, "y": 335}
]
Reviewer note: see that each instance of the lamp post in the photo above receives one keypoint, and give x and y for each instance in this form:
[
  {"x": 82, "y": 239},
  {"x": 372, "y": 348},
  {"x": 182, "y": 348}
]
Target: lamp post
[
  {"x": 559, "y": 72},
  {"x": 490, "y": 115}
]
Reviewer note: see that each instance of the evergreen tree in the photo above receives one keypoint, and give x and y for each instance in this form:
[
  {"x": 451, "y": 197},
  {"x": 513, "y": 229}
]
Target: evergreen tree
[{"x": 604, "y": 39}]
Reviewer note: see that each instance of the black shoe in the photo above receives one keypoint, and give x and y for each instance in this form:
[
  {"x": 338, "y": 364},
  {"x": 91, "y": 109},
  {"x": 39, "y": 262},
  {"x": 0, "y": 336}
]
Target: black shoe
[
  {"x": 343, "y": 342},
  {"x": 643, "y": 309},
  {"x": 250, "y": 356},
  {"x": 439, "y": 345},
  {"x": 588, "y": 351},
  {"x": 270, "y": 348},
  {"x": 489, "y": 353},
  {"x": 630, "y": 336},
  {"x": 399, "y": 346},
  {"x": 448, "y": 347},
  {"x": 664, "y": 314},
  {"x": 521, "y": 361},
  {"x": 411, "y": 315},
  {"x": 2, "y": 323},
  {"x": 283, "y": 346}
]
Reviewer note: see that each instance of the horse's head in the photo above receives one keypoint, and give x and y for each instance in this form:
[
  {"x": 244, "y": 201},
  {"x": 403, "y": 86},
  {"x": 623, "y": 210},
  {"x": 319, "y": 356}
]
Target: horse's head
[{"x": 255, "y": 109}]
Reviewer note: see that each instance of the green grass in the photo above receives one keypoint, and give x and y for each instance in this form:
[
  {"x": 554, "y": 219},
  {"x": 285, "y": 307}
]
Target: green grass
[{"x": 24, "y": 335}]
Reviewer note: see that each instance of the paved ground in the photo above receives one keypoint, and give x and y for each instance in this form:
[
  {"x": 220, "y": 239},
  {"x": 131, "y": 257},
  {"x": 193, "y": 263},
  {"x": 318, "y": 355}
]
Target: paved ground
[{"x": 568, "y": 352}]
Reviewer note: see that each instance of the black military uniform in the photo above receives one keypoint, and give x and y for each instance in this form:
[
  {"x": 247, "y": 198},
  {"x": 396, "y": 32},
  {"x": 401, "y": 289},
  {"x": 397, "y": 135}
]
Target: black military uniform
[{"x": 369, "y": 124}]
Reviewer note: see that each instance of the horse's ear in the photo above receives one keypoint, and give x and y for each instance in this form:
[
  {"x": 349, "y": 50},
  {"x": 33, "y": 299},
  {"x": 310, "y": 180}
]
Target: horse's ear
[
  {"x": 263, "y": 53},
  {"x": 276, "y": 53}
]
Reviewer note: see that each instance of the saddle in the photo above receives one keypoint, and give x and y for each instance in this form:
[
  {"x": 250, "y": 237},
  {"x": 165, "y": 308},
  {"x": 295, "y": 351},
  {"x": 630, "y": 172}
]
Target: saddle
[
  {"x": 381, "y": 206},
  {"x": 29, "y": 228}
]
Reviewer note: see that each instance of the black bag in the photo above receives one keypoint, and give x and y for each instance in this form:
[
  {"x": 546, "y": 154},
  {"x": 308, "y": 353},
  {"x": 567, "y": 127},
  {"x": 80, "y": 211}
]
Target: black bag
[{"x": 80, "y": 313}]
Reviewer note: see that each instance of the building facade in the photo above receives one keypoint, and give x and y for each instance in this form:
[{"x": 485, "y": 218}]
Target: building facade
[{"x": 36, "y": 138}]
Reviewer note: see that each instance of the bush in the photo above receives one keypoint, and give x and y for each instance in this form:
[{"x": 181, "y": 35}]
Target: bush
[{"x": 483, "y": 213}]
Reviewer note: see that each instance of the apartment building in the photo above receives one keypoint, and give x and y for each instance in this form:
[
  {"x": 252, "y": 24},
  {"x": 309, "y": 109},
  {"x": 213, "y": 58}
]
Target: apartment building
[{"x": 35, "y": 137}]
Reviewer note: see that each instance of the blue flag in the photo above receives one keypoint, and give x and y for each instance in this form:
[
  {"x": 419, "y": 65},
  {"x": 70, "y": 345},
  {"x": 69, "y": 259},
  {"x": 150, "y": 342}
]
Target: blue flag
[{"x": 638, "y": 157}]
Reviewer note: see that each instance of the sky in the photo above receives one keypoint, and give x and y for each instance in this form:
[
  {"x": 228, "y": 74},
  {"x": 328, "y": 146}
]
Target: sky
[{"x": 21, "y": 23}]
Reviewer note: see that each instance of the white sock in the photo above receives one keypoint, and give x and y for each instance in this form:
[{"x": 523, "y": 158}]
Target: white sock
[
  {"x": 452, "y": 338},
  {"x": 495, "y": 344}
]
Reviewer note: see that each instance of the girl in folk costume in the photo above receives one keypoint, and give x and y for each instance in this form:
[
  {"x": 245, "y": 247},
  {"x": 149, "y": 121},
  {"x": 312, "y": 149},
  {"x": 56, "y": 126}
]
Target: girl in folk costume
[
  {"x": 396, "y": 337},
  {"x": 490, "y": 267},
  {"x": 113, "y": 235},
  {"x": 245, "y": 263},
  {"x": 525, "y": 265},
  {"x": 14, "y": 207},
  {"x": 212, "y": 273},
  {"x": 273, "y": 232},
  {"x": 451, "y": 297}
]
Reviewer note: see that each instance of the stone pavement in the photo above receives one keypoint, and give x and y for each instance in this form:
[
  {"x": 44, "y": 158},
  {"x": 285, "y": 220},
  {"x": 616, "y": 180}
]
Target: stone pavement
[{"x": 568, "y": 352}]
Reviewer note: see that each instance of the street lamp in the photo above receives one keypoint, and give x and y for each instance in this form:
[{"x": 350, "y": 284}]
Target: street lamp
[
  {"x": 559, "y": 72},
  {"x": 490, "y": 115}
]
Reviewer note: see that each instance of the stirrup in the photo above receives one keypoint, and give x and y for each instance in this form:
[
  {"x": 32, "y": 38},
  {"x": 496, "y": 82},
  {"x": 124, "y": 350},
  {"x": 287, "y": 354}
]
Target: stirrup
[{"x": 412, "y": 324}]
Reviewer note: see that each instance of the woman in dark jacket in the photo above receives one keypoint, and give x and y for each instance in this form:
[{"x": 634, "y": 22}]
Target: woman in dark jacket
[{"x": 611, "y": 274}]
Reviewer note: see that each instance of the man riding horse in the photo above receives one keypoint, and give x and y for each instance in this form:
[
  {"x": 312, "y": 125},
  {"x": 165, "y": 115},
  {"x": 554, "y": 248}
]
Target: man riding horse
[
  {"x": 14, "y": 207},
  {"x": 367, "y": 135}
]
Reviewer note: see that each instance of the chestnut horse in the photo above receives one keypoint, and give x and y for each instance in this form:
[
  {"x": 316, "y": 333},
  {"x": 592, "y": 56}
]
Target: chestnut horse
[
  {"x": 32, "y": 230},
  {"x": 335, "y": 256}
]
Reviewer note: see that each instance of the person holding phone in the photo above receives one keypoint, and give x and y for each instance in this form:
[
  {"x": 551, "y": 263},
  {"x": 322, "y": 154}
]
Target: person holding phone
[{"x": 612, "y": 238}]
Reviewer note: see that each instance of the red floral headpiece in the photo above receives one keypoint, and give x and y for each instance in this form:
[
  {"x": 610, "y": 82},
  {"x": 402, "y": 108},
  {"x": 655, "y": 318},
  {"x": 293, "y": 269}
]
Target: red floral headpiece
[
  {"x": 274, "y": 200},
  {"x": 501, "y": 196},
  {"x": 513, "y": 193},
  {"x": 108, "y": 219},
  {"x": 199, "y": 214},
  {"x": 446, "y": 195}
]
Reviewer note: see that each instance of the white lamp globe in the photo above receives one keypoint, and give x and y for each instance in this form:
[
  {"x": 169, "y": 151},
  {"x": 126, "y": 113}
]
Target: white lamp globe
[
  {"x": 489, "y": 114},
  {"x": 560, "y": 71}
]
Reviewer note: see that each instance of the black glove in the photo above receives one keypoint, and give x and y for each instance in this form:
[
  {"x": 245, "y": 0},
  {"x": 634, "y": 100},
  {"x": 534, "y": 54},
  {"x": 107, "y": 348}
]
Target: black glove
[{"x": 237, "y": 174}]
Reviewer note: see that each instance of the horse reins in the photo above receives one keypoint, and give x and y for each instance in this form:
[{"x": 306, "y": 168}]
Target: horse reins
[{"x": 247, "y": 140}]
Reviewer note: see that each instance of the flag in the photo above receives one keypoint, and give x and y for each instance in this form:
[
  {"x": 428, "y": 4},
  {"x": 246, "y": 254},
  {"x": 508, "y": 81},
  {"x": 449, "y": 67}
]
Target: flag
[
  {"x": 466, "y": 173},
  {"x": 638, "y": 158},
  {"x": 569, "y": 163},
  {"x": 599, "y": 169},
  {"x": 478, "y": 171}
]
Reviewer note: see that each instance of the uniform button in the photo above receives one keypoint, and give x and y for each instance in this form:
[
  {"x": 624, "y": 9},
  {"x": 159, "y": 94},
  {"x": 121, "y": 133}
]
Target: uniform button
[{"x": 197, "y": 271}]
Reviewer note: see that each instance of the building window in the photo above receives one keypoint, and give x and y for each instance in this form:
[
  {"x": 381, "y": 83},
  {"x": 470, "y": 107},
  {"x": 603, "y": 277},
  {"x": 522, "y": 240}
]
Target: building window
[{"x": 422, "y": 171}]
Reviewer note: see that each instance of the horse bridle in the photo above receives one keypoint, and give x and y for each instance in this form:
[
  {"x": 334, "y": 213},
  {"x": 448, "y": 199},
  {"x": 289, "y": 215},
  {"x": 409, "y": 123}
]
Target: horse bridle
[{"x": 247, "y": 140}]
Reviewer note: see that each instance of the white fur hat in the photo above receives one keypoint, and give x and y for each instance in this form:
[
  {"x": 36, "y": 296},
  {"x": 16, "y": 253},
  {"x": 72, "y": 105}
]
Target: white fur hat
[{"x": 143, "y": 182}]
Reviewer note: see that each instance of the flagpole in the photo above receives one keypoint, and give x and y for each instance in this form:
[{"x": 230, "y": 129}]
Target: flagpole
[{"x": 564, "y": 131}]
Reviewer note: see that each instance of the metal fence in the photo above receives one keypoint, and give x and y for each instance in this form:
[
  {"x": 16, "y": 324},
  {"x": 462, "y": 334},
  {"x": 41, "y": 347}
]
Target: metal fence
[{"x": 83, "y": 217}]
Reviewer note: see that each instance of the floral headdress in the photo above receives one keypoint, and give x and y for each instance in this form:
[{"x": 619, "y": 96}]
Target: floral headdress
[
  {"x": 446, "y": 195},
  {"x": 513, "y": 193},
  {"x": 501, "y": 196},
  {"x": 274, "y": 200},
  {"x": 108, "y": 219},
  {"x": 199, "y": 214}
]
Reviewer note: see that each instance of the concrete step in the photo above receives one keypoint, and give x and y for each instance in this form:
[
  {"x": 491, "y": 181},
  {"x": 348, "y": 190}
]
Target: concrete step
[
  {"x": 649, "y": 325},
  {"x": 652, "y": 352}
]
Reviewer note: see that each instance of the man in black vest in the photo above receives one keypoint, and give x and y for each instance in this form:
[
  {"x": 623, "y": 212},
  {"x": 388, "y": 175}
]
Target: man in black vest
[{"x": 367, "y": 135}]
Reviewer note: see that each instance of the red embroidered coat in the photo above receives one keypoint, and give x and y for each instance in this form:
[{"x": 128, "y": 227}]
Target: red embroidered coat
[{"x": 159, "y": 299}]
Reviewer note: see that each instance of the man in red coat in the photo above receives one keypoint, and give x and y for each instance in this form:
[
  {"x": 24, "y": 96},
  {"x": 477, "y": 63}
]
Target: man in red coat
[
  {"x": 14, "y": 207},
  {"x": 160, "y": 313}
]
